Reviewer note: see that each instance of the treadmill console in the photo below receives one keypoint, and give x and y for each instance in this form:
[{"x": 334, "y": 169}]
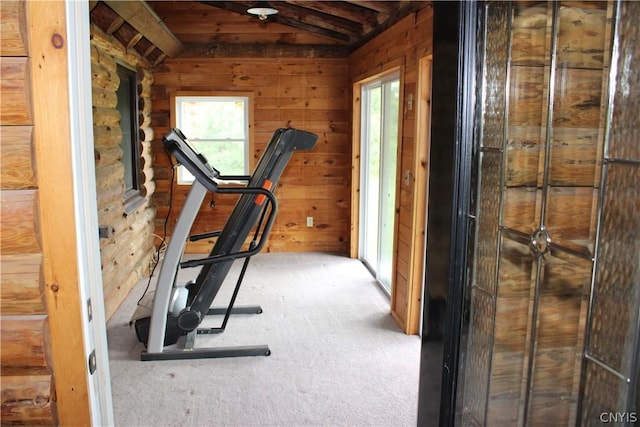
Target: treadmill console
[{"x": 195, "y": 162}]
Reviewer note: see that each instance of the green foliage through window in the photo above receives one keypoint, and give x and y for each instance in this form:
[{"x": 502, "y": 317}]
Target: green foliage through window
[{"x": 216, "y": 126}]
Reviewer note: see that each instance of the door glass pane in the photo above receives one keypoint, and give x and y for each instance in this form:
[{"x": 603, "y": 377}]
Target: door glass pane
[
  {"x": 578, "y": 116},
  {"x": 562, "y": 303},
  {"x": 380, "y": 100},
  {"x": 388, "y": 182},
  {"x": 371, "y": 181},
  {"x": 516, "y": 282}
]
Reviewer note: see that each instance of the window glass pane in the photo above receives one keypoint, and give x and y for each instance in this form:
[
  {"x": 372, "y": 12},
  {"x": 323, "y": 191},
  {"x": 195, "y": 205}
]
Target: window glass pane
[
  {"x": 211, "y": 118},
  {"x": 127, "y": 102},
  {"x": 124, "y": 108},
  {"x": 217, "y": 127},
  {"x": 372, "y": 180}
]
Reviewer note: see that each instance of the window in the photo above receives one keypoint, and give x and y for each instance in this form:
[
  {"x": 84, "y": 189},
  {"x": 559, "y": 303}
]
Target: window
[
  {"x": 127, "y": 106},
  {"x": 218, "y": 127}
]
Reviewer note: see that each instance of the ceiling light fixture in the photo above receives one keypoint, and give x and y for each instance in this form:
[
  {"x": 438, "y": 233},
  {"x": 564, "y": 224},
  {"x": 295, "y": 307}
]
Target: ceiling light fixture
[{"x": 262, "y": 10}]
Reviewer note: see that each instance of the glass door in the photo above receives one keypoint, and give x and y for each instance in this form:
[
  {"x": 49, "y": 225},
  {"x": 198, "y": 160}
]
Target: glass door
[
  {"x": 380, "y": 107},
  {"x": 530, "y": 356}
]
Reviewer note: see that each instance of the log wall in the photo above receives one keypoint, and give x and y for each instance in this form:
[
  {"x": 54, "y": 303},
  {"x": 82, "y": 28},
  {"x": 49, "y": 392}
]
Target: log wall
[
  {"x": 29, "y": 394},
  {"x": 126, "y": 250},
  {"x": 404, "y": 45},
  {"x": 305, "y": 93},
  {"x": 28, "y": 391}
]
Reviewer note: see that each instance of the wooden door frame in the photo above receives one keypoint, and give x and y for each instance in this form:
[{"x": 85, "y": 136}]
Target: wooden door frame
[
  {"x": 63, "y": 153},
  {"x": 421, "y": 168}
]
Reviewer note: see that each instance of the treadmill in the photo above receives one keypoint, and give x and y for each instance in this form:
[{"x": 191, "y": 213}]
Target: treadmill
[{"x": 173, "y": 310}]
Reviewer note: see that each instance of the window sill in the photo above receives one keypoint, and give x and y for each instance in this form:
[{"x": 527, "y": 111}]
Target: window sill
[{"x": 132, "y": 204}]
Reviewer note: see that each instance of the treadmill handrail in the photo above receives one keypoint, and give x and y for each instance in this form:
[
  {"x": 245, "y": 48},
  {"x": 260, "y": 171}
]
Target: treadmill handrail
[
  {"x": 220, "y": 258},
  {"x": 237, "y": 190},
  {"x": 230, "y": 182},
  {"x": 235, "y": 177},
  {"x": 201, "y": 236},
  {"x": 271, "y": 201}
]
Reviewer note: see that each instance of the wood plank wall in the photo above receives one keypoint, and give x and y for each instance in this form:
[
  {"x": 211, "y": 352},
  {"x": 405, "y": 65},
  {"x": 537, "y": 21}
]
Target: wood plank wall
[
  {"x": 305, "y": 93},
  {"x": 404, "y": 44},
  {"x": 27, "y": 382},
  {"x": 125, "y": 253}
]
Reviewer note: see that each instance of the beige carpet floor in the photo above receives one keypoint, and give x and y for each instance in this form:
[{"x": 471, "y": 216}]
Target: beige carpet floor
[{"x": 338, "y": 358}]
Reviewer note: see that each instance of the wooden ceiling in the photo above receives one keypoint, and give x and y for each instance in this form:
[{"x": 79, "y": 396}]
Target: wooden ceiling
[{"x": 160, "y": 29}]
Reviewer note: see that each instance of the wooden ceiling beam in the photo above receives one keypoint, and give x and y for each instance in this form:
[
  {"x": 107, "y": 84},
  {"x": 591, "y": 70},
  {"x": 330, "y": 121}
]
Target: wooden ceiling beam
[
  {"x": 127, "y": 35},
  {"x": 319, "y": 19},
  {"x": 105, "y": 18},
  {"x": 134, "y": 40},
  {"x": 265, "y": 51},
  {"x": 148, "y": 51},
  {"x": 140, "y": 16},
  {"x": 115, "y": 25},
  {"x": 311, "y": 28},
  {"x": 405, "y": 8},
  {"x": 160, "y": 59},
  {"x": 241, "y": 8},
  {"x": 386, "y": 7},
  {"x": 365, "y": 16}
]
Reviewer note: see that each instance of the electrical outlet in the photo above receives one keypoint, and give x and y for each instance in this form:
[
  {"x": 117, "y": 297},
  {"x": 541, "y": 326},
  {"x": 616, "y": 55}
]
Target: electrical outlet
[{"x": 309, "y": 221}]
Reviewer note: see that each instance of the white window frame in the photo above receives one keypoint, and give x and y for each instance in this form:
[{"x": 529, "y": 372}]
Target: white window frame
[{"x": 183, "y": 176}]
